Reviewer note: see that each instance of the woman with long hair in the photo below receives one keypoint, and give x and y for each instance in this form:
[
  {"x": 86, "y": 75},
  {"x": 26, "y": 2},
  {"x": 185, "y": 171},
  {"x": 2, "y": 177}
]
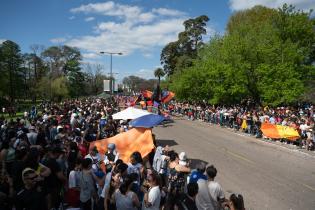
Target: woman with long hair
[
  {"x": 152, "y": 197},
  {"x": 124, "y": 197},
  {"x": 236, "y": 202},
  {"x": 109, "y": 202}
]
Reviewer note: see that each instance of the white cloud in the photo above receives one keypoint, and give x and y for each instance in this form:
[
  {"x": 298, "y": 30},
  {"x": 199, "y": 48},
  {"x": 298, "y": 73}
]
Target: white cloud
[
  {"x": 130, "y": 28},
  {"x": 2, "y": 40},
  {"x": 245, "y": 4},
  {"x": 95, "y": 8},
  {"x": 88, "y": 19},
  {"x": 127, "y": 38},
  {"x": 58, "y": 40},
  {"x": 168, "y": 12},
  {"x": 145, "y": 73},
  {"x": 90, "y": 55},
  {"x": 72, "y": 18},
  {"x": 147, "y": 55},
  {"x": 110, "y": 8}
]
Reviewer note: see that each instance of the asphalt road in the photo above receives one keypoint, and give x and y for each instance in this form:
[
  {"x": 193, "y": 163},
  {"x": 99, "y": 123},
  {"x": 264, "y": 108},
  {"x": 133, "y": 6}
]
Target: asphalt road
[{"x": 268, "y": 176}]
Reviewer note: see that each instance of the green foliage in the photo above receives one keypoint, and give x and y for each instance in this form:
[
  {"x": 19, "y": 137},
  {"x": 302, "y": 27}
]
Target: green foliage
[
  {"x": 75, "y": 78},
  {"x": 59, "y": 88},
  {"x": 43, "y": 88},
  {"x": 54, "y": 73},
  {"x": 159, "y": 73},
  {"x": 266, "y": 55},
  {"x": 178, "y": 55},
  {"x": 11, "y": 71},
  {"x": 134, "y": 83}
]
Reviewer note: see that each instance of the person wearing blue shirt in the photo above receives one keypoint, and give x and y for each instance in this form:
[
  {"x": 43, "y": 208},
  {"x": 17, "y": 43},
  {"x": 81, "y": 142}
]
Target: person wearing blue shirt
[{"x": 198, "y": 173}]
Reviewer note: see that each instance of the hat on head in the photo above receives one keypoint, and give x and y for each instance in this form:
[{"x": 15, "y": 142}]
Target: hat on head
[
  {"x": 59, "y": 127},
  {"x": 182, "y": 156},
  {"x": 27, "y": 170},
  {"x": 111, "y": 146}
]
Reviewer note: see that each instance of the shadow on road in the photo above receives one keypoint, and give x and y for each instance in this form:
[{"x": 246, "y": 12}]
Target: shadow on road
[
  {"x": 194, "y": 162},
  {"x": 167, "y": 123},
  {"x": 164, "y": 142}
]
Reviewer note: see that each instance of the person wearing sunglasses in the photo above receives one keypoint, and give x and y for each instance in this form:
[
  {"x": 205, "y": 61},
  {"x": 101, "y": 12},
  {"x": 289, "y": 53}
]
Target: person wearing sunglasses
[{"x": 31, "y": 197}]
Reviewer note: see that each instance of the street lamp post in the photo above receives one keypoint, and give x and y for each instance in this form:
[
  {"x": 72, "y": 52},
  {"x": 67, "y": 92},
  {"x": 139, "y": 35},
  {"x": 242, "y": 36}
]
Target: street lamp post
[{"x": 111, "y": 68}]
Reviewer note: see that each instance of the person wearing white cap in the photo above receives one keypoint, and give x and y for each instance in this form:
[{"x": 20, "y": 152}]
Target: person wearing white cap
[
  {"x": 30, "y": 197},
  {"x": 183, "y": 159}
]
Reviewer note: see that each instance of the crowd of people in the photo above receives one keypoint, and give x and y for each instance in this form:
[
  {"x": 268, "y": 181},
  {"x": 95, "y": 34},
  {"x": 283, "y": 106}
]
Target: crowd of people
[
  {"x": 46, "y": 163},
  {"x": 249, "y": 119}
]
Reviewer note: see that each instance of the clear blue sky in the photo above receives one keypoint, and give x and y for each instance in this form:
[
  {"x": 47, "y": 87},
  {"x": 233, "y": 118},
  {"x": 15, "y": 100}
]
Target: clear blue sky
[{"x": 137, "y": 28}]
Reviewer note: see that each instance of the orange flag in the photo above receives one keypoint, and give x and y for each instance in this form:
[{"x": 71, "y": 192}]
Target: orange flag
[
  {"x": 279, "y": 131},
  {"x": 136, "y": 139},
  {"x": 146, "y": 94},
  {"x": 168, "y": 97}
]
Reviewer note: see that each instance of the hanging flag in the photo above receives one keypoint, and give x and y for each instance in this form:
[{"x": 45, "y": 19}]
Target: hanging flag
[
  {"x": 136, "y": 139},
  {"x": 146, "y": 94},
  {"x": 279, "y": 132},
  {"x": 167, "y": 96}
]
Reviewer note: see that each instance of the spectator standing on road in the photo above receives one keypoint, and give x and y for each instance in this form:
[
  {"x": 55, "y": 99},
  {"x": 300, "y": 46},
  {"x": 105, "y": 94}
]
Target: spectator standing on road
[
  {"x": 214, "y": 187},
  {"x": 188, "y": 201},
  {"x": 236, "y": 202},
  {"x": 198, "y": 173}
]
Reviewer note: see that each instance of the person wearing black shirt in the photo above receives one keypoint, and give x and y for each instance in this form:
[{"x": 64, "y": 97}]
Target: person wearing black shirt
[
  {"x": 187, "y": 202},
  {"x": 56, "y": 179},
  {"x": 31, "y": 196}
]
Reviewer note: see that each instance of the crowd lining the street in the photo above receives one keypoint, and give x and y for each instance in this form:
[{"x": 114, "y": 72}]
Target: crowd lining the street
[
  {"x": 248, "y": 119},
  {"x": 46, "y": 163}
]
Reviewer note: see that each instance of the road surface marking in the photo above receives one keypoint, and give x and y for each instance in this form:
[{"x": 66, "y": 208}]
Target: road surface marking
[
  {"x": 240, "y": 157},
  {"x": 307, "y": 186}
]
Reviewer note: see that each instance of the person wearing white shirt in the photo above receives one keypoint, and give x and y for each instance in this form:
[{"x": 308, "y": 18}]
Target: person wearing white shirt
[{"x": 152, "y": 197}]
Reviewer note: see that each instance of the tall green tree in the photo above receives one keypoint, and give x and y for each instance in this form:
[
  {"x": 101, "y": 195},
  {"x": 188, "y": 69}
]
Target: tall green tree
[
  {"x": 159, "y": 73},
  {"x": 179, "y": 54},
  {"x": 267, "y": 56},
  {"x": 11, "y": 71},
  {"x": 59, "y": 88}
]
